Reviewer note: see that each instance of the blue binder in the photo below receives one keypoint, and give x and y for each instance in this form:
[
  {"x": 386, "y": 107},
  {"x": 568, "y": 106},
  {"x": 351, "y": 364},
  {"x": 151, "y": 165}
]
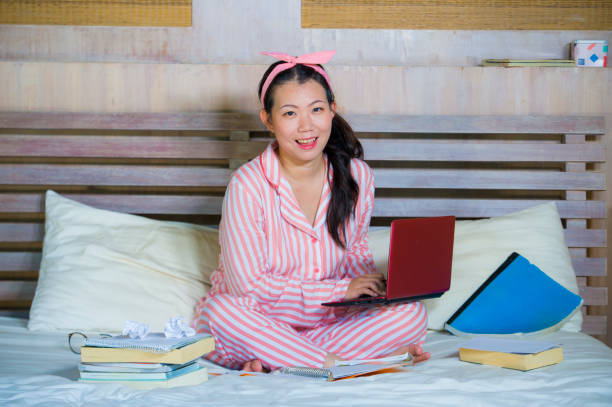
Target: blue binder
[{"x": 517, "y": 298}]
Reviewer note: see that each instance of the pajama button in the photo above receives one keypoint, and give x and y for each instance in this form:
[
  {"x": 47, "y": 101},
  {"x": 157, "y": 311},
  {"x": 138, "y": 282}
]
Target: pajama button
[
  {"x": 314, "y": 241},
  {"x": 316, "y": 270}
]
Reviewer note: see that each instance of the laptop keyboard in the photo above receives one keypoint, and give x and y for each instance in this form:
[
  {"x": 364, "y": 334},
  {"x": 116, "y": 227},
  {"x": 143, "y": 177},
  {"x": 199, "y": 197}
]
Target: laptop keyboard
[{"x": 369, "y": 298}]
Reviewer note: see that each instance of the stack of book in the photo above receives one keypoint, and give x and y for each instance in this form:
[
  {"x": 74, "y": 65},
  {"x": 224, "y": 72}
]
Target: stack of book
[{"x": 155, "y": 361}]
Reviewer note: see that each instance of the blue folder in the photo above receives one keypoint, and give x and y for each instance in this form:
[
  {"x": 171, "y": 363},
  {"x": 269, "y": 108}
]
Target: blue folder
[{"x": 517, "y": 298}]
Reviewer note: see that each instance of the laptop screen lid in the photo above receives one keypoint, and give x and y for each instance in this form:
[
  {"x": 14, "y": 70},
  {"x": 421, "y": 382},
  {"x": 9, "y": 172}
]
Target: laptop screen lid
[
  {"x": 420, "y": 259},
  {"x": 420, "y": 256}
]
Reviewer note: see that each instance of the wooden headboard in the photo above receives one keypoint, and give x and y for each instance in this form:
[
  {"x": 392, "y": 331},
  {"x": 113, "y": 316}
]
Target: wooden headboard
[{"x": 176, "y": 165}]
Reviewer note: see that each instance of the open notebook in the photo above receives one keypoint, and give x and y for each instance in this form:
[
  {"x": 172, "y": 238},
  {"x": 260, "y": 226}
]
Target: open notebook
[{"x": 351, "y": 368}]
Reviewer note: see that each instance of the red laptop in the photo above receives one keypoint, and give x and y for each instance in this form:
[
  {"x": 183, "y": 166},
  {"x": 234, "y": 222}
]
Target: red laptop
[{"x": 420, "y": 260}]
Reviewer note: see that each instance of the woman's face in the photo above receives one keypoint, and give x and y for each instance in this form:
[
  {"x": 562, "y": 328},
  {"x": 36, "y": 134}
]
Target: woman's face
[{"x": 301, "y": 121}]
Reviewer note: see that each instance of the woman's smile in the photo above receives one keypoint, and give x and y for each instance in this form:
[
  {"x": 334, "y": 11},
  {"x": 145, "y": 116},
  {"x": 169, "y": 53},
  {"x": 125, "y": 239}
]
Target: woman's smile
[{"x": 307, "y": 143}]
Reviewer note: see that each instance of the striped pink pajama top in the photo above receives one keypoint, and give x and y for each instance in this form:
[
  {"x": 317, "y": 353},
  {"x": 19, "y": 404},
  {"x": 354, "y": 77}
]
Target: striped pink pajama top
[{"x": 275, "y": 269}]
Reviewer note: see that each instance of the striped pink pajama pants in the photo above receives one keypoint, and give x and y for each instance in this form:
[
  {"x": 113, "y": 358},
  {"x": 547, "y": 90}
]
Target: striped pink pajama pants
[{"x": 243, "y": 332}]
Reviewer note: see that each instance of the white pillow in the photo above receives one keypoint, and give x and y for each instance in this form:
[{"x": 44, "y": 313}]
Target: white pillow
[
  {"x": 100, "y": 268},
  {"x": 482, "y": 245}
]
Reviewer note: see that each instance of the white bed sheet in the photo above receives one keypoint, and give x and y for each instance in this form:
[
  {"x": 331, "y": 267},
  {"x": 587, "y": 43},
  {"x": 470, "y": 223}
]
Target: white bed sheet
[{"x": 38, "y": 369}]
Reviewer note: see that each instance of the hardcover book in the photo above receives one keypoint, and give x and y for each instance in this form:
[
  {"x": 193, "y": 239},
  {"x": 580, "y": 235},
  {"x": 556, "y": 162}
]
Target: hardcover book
[
  {"x": 191, "y": 378},
  {"x": 153, "y": 349},
  {"x": 513, "y": 354},
  {"x": 143, "y": 375}
]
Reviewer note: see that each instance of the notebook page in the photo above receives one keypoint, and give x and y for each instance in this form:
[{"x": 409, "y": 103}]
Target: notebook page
[
  {"x": 153, "y": 342},
  {"x": 402, "y": 358}
]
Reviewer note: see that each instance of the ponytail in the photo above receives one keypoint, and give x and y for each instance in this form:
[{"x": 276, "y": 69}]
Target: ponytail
[{"x": 340, "y": 149}]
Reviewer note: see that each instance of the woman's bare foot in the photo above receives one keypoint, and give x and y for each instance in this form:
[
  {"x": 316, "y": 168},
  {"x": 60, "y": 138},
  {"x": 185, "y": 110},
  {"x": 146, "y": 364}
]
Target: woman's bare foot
[
  {"x": 415, "y": 350},
  {"x": 254, "y": 365},
  {"x": 330, "y": 360}
]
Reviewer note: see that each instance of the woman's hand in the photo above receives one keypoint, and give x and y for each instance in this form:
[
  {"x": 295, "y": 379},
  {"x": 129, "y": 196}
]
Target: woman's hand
[{"x": 370, "y": 284}]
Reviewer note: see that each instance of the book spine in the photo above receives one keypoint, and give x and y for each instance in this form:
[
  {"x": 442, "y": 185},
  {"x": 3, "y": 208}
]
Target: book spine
[{"x": 140, "y": 375}]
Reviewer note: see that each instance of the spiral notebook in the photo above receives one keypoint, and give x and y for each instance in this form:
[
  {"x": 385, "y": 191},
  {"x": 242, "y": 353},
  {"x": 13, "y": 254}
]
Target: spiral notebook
[
  {"x": 156, "y": 342},
  {"x": 352, "y": 368},
  {"x": 154, "y": 348}
]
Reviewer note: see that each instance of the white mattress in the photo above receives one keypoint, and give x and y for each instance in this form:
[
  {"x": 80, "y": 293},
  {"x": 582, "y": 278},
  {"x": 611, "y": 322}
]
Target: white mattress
[{"x": 39, "y": 369}]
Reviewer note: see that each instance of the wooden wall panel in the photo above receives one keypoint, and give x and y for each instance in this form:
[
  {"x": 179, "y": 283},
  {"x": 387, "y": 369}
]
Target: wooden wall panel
[
  {"x": 459, "y": 14},
  {"x": 152, "y": 13},
  {"x": 132, "y": 87},
  {"x": 236, "y": 31}
]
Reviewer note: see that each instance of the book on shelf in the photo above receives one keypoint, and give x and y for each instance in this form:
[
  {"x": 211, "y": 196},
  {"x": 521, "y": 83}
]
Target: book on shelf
[
  {"x": 155, "y": 348},
  {"x": 529, "y": 62},
  {"x": 196, "y": 376},
  {"x": 511, "y": 353},
  {"x": 352, "y": 368}
]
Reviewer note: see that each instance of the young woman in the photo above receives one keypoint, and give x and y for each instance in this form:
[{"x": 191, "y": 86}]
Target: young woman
[{"x": 294, "y": 234}]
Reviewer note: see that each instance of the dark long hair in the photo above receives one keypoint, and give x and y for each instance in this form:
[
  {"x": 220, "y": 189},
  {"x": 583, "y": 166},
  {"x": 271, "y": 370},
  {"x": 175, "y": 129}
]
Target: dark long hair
[{"x": 340, "y": 149}]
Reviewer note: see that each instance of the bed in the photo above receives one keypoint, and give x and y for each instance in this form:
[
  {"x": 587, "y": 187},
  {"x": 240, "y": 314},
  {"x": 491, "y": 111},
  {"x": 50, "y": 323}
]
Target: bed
[{"x": 171, "y": 169}]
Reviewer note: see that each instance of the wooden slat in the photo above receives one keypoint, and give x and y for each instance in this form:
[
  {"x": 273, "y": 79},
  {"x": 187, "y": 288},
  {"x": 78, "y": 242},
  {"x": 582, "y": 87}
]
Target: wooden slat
[
  {"x": 474, "y": 208},
  {"x": 487, "y": 179},
  {"x": 585, "y": 237},
  {"x": 594, "y": 325},
  {"x": 383, "y": 207},
  {"x": 243, "y": 136},
  {"x": 17, "y": 290},
  {"x": 589, "y": 266},
  {"x": 66, "y": 174},
  {"x": 145, "y": 175},
  {"x": 594, "y": 295},
  {"x": 142, "y": 204},
  {"x": 21, "y": 232},
  {"x": 127, "y": 147},
  {"x": 204, "y": 148},
  {"x": 20, "y": 261},
  {"x": 382, "y": 149},
  {"x": 477, "y": 124},
  {"x": 361, "y": 123},
  {"x": 131, "y": 121}
]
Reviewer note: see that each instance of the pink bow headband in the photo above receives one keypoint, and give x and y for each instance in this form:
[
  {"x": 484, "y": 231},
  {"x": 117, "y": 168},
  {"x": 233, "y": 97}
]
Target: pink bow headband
[{"x": 311, "y": 60}]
